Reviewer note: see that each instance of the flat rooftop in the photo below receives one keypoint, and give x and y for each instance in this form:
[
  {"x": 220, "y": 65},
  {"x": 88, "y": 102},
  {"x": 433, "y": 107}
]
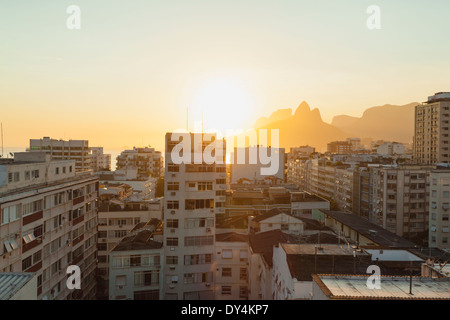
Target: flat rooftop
[
  {"x": 325, "y": 249},
  {"x": 369, "y": 230},
  {"x": 393, "y": 255},
  {"x": 349, "y": 287}
]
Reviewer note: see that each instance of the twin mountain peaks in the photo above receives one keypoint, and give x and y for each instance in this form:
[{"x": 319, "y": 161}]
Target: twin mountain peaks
[{"x": 306, "y": 127}]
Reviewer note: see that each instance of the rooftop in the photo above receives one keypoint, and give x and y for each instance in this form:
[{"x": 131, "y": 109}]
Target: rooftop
[
  {"x": 140, "y": 240},
  {"x": 11, "y": 283},
  {"x": 231, "y": 237},
  {"x": 392, "y": 288},
  {"x": 369, "y": 230},
  {"x": 271, "y": 213}
]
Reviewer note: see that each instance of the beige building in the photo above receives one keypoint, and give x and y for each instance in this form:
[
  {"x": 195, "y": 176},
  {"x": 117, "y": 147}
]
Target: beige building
[
  {"x": 231, "y": 275},
  {"x": 48, "y": 222},
  {"x": 140, "y": 163},
  {"x": 135, "y": 269},
  {"x": 432, "y": 129},
  {"x": 400, "y": 199},
  {"x": 439, "y": 224},
  {"x": 100, "y": 161},
  {"x": 77, "y": 150}
]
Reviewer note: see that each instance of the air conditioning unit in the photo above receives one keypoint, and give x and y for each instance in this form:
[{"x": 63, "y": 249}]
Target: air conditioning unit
[
  {"x": 172, "y": 248},
  {"x": 208, "y": 284},
  {"x": 172, "y": 230},
  {"x": 172, "y": 212},
  {"x": 172, "y": 267},
  {"x": 173, "y": 193},
  {"x": 208, "y": 229}
]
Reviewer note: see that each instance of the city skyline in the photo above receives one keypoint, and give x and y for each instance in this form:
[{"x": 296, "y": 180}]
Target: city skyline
[{"x": 133, "y": 63}]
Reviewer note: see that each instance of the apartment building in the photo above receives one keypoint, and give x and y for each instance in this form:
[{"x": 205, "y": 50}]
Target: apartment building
[
  {"x": 77, "y": 150},
  {"x": 400, "y": 200},
  {"x": 140, "y": 163},
  {"x": 135, "y": 269},
  {"x": 99, "y": 160},
  {"x": 248, "y": 164},
  {"x": 432, "y": 129},
  {"x": 340, "y": 147},
  {"x": 193, "y": 197},
  {"x": 118, "y": 216},
  {"x": 439, "y": 209},
  {"x": 231, "y": 275},
  {"x": 48, "y": 222}
]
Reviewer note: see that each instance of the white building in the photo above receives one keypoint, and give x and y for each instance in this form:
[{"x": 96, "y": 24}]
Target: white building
[
  {"x": 439, "y": 225},
  {"x": 99, "y": 160},
  {"x": 391, "y": 149},
  {"x": 77, "y": 150},
  {"x": 135, "y": 269},
  {"x": 275, "y": 219},
  {"x": 191, "y": 203},
  {"x": 48, "y": 222},
  {"x": 303, "y": 204},
  {"x": 248, "y": 165}
]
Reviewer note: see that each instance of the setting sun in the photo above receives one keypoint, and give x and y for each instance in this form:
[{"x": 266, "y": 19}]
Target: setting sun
[{"x": 224, "y": 104}]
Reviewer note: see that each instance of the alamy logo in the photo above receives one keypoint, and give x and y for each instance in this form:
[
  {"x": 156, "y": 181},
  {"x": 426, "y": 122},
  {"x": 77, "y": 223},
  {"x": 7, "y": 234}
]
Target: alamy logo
[
  {"x": 74, "y": 280},
  {"x": 187, "y": 151},
  {"x": 374, "y": 281}
]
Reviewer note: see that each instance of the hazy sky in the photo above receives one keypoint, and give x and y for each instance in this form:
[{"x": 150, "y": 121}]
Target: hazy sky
[{"x": 128, "y": 75}]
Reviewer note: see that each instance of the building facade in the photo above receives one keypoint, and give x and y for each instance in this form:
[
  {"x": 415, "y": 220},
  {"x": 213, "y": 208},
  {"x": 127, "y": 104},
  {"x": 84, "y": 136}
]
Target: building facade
[
  {"x": 77, "y": 150},
  {"x": 432, "y": 129},
  {"x": 48, "y": 222}
]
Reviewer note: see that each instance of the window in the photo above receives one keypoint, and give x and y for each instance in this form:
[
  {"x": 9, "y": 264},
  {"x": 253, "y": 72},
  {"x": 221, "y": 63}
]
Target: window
[
  {"x": 226, "y": 290},
  {"x": 26, "y": 263},
  {"x": 121, "y": 281},
  {"x": 171, "y": 279},
  {"x": 173, "y": 186},
  {"x": 171, "y": 259},
  {"x": 220, "y": 181},
  {"x": 198, "y": 241},
  {"x": 243, "y": 292},
  {"x": 146, "y": 278},
  {"x": 243, "y": 274},
  {"x": 172, "y": 223},
  {"x": 172, "y": 242},
  {"x": 171, "y": 167},
  {"x": 172, "y": 205},
  {"x": 16, "y": 176},
  {"x": 205, "y": 186},
  {"x": 284, "y": 227},
  {"x": 197, "y": 259},
  {"x": 226, "y": 272},
  {"x": 200, "y": 277},
  {"x": 191, "y": 204},
  {"x": 192, "y": 223},
  {"x": 27, "y": 175},
  {"x": 35, "y": 174},
  {"x": 227, "y": 254},
  {"x": 135, "y": 260},
  {"x": 57, "y": 170},
  {"x": 146, "y": 295}
]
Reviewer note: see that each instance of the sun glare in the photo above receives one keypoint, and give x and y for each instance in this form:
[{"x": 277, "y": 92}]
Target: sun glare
[{"x": 225, "y": 104}]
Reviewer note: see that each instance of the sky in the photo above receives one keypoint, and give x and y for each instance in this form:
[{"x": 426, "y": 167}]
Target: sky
[{"x": 135, "y": 67}]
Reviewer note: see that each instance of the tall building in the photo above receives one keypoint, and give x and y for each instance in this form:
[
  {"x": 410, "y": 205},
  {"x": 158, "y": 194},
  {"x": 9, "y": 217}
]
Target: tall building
[
  {"x": 191, "y": 203},
  {"x": 99, "y": 160},
  {"x": 432, "y": 129},
  {"x": 77, "y": 150},
  {"x": 439, "y": 209},
  {"x": 48, "y": 222},
  {"x": 400, "y": 199},
  {"x": 142, "y": 162}
]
